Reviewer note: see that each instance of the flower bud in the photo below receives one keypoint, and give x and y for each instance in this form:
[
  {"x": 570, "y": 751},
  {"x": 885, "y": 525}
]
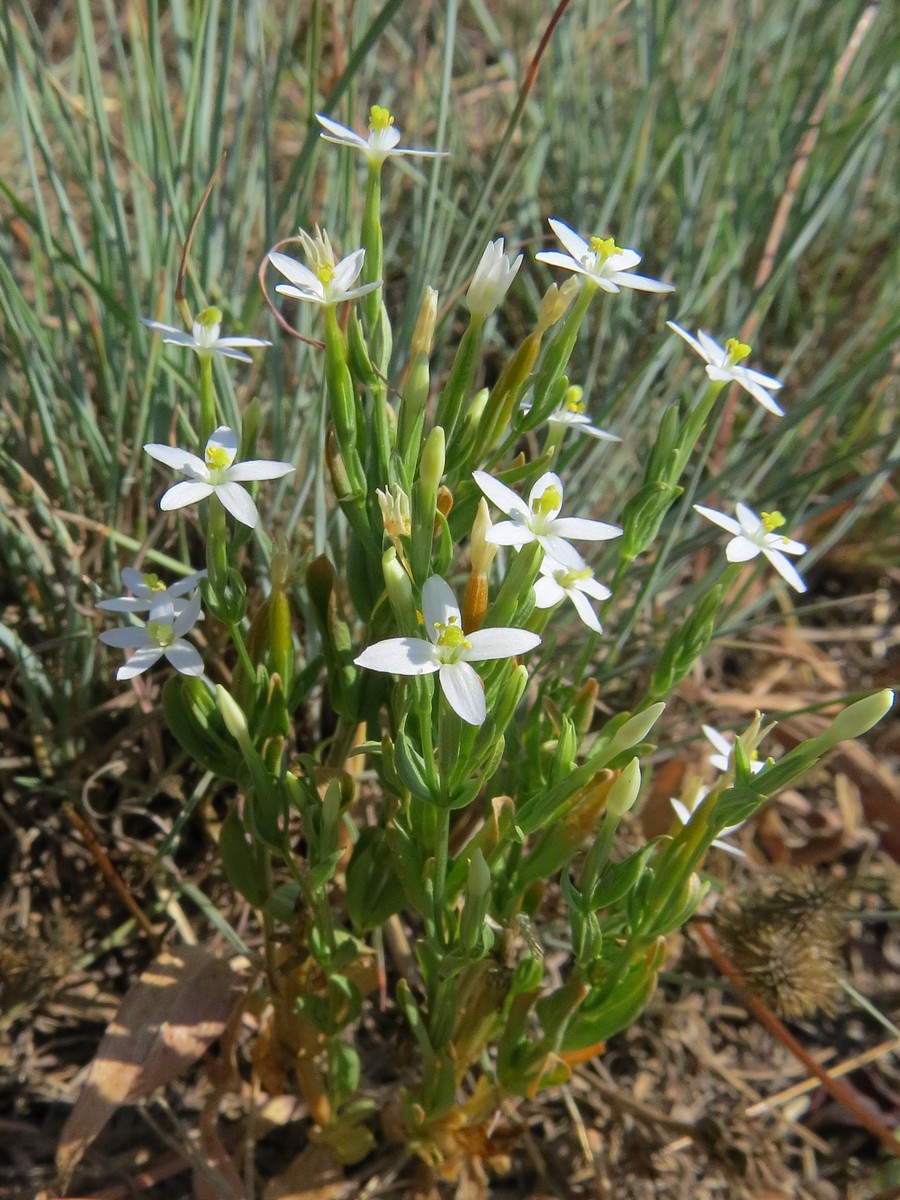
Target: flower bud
[
  {"x": 425, "y": 322},
  {"x": 431, "y": 467},
  {"x": 857, "y": 719},
  {"x": 624, "y": 791},
  {"x": 491, "y": 281},
  {"x": 555, "y": 303},
  {"x": 634, "y": 730},
  {"x": 232, "y": 715}
]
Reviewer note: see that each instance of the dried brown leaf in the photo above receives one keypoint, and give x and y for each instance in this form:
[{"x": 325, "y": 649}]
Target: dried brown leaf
[{"x": 178, "y": 1007}]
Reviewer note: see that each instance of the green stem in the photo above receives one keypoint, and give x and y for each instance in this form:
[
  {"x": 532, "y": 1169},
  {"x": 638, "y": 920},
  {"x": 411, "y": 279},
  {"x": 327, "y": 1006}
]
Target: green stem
[
  {"x": 208, "y": 419},
  {"x": 441, "y": 855}
]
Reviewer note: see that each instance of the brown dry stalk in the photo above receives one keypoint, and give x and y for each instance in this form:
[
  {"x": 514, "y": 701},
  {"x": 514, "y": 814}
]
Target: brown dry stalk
[{"x": 838, "y": 1089}]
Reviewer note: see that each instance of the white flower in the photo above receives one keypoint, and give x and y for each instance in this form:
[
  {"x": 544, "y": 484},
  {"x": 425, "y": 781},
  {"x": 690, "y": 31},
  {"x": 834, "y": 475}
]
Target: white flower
[
  {"x": 448, "y": 651},
  {"x": 151, "y": 595},
  {"x": 325, "y": 281},
  {"x": 684, "y": 812},
  {"x": 204, "y": 337},
  {"x": 382, "y": 141},
  {"x": 722, "y": 366},
  {"x": 162, "y": 635},
  {"x": 599, "y": 259},
  {"x": 756, "y": 535},
  {"x": 218, "y": 475},
  {"x": 395, "y": 511},
  {"x": 558, "y": 581},
  {"x": 721, "y": 760},
  {"x": 572, "y": 415},
  {"x": 537, "y": 521},
  {"x": 490, "y": 283}
]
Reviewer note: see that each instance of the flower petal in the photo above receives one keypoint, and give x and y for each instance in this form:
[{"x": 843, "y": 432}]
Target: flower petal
[
  {"x": 190, "y": 491},
  {"x": 126, "y": 637},
  {"x": 573, "y": 242},
  {"x": 585, "y": 610},
  {"x": 439, "y": 605},
  {"x": 188, "y": 616},
  {"x": 759, "y": 393},
  {"x": 258, "y": 468},
  {"x": 564, "y": 553},
  {"x": 741, "y": 549},
  {"x": 581, "y": 529},
  {"x": 499, "y": 642},
  {"x": 295, "y": 271},
  {"x": 690, "y": 339},
  {"x": 639, "y": 283},
  {"x": 184, "y": 658},
  {"x": 553, "y": 258},
  {"x": 509, "y": 533},
  {"x": 124, "y": 604},
  {"x": 400, "y": 656},
  {"x": 239, "y": 503},
  {"x": 499, "y": 494},
  {"x": 549, "y": 479},
  {"x": 719, "y": 519},
  {"x": 347, "y": 271},
  {"x": 340, "y": 135},
  {"x": 785, "y": 569},
  {"x": 176, "y": 458},
  {"x": 548, "y": 592},
  {"x": 139, "y": 662},
  {"x": 464, "y": 690}
]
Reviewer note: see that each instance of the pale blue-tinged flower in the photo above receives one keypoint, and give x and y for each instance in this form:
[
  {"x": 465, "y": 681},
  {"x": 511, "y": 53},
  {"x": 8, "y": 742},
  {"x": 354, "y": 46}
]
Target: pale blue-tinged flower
[
  {"x": 150, "y": 594},
  {"x": 723, "y": 365},
  {"x": 756, "y": 535},
  {"x": 448, "y": 651},
  {"x": 326, "y": 281},
  {"x": 162, "y": 636},
  {"x": 382, "y": 142},
  {"x": 721, "y": 760},
  {"x": 558, "y": 582},
  {"x": 216, "y": 474},
  {"x": 599, "y": 259},
  {"x": 572, "y": 414},
  {"x": 539, "y": 520},
  {"x": 204, "y": 337},
  {"x": 685, "y": 811},
  {"x": 491, "y": 281}
]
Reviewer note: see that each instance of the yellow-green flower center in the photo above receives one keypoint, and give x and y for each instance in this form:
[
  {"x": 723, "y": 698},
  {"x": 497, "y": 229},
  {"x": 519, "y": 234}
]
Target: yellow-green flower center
[
  {"x": 574, "y": 402},
  {"x": 161, "y": 632},
  {"x": 217, "y": 458},
  {"x": 325, "y": 273},
  {"x": 380, "y": 119},
  {"x": 604, "y": 248},
  {"x": 153, "y": 582},
  {"x": 568, "y": 578},
  {"x": 450, "y": 635},
  {"x": 737, "y": 351},
  {"x": 209, "y": 317},
  {"x": 548, "y": 502},
  {"x": 772, "y": 521}
]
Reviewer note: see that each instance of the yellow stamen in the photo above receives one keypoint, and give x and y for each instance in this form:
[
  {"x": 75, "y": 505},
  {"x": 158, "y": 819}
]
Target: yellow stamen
[
  {"x": 772, "y": 521},
  {"x": 549, "y": 501},
  {"x": 161, "y": 632},
  {"x": 604, "y": 248},
  {"x": 450, "y": 634},
  {"x": 737, "y": 351},
  {"x": 325, "y": 272},
  {"x": 217, "y": 457},
  {"x": 209, "y": 317},
  {"x": 153, "y": 582},
  {"x": 573, "y": 401},
  {"x": 567, "y": 577},
  {"x": 380, "y": 119}
]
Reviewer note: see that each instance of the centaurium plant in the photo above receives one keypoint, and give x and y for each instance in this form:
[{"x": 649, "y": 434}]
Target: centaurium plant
[{"x": 489, "y": 777}]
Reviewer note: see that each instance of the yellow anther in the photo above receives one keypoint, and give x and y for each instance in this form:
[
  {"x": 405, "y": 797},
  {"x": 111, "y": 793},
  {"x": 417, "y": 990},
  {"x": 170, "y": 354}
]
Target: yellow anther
[
  {"x": 379, "y": 119},
  {"x": 772, "y": 521},
  {"x": 604, "y": 248},
  {"x": 567, "y": 577},
  {"x": 209, "y": 317},
  {"x": 153, "y": 582},
  {"x": 549, "y": 501},
  {"x": 217, "y": 458},
  {"x": 737, "y": 351},
  {"x": 161, "y": 632},
  {"x": 325, "y": 272},
  {"x": 450, "y": 634},
  {"x": 574, "y": 402}
]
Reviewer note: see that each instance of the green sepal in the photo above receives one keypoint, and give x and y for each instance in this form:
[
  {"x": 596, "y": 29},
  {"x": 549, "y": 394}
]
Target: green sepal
[
  {"x": 643, "y": 516},
  {"x": 193, "y": 717}
]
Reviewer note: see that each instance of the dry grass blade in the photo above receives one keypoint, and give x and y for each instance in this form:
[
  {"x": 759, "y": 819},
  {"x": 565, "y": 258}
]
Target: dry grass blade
[{"x": 174, "y": 1012}]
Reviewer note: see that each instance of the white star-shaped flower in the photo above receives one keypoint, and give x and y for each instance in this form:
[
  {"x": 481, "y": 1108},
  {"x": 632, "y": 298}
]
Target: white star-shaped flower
[
  {"x": 491, "y": 281},
  {"x": 538, "y": 520},
  {"x": 449, "y": 651},
  {"x": 723, "y": 365},
  {"x": 557, "y": 582},
  {"x": 601, "y": 260},
  {"x": 684, "y": 813},
  {"x": 756, "y": 535},
  {"x": 382, "y": 142},
  {"x": 721, "y": 760},
  {"x": 572, "y": 414},
  {"x": 151, "y": 595},
  {"x": 325, "y": 281},
  {"x": 216, "y": 474},
  {"x": 163, "y": 635},
  {"x": 204, "y": 337}
]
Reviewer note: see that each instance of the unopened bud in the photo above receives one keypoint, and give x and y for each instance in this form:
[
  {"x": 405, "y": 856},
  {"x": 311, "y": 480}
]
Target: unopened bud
[
  {"x": 479, "y": 882},
  {"x": 635, "y": 729},
  {"x": 482, "y": 552},
  {"x": 555, "y": 303},
  {"x": 857, "y": 719},
  {"x": 624, "y": 791},
  {"x": 425, "y": 322},
  {"x": 431, "y": 467},
  {"x": 232, "y": 715}
]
